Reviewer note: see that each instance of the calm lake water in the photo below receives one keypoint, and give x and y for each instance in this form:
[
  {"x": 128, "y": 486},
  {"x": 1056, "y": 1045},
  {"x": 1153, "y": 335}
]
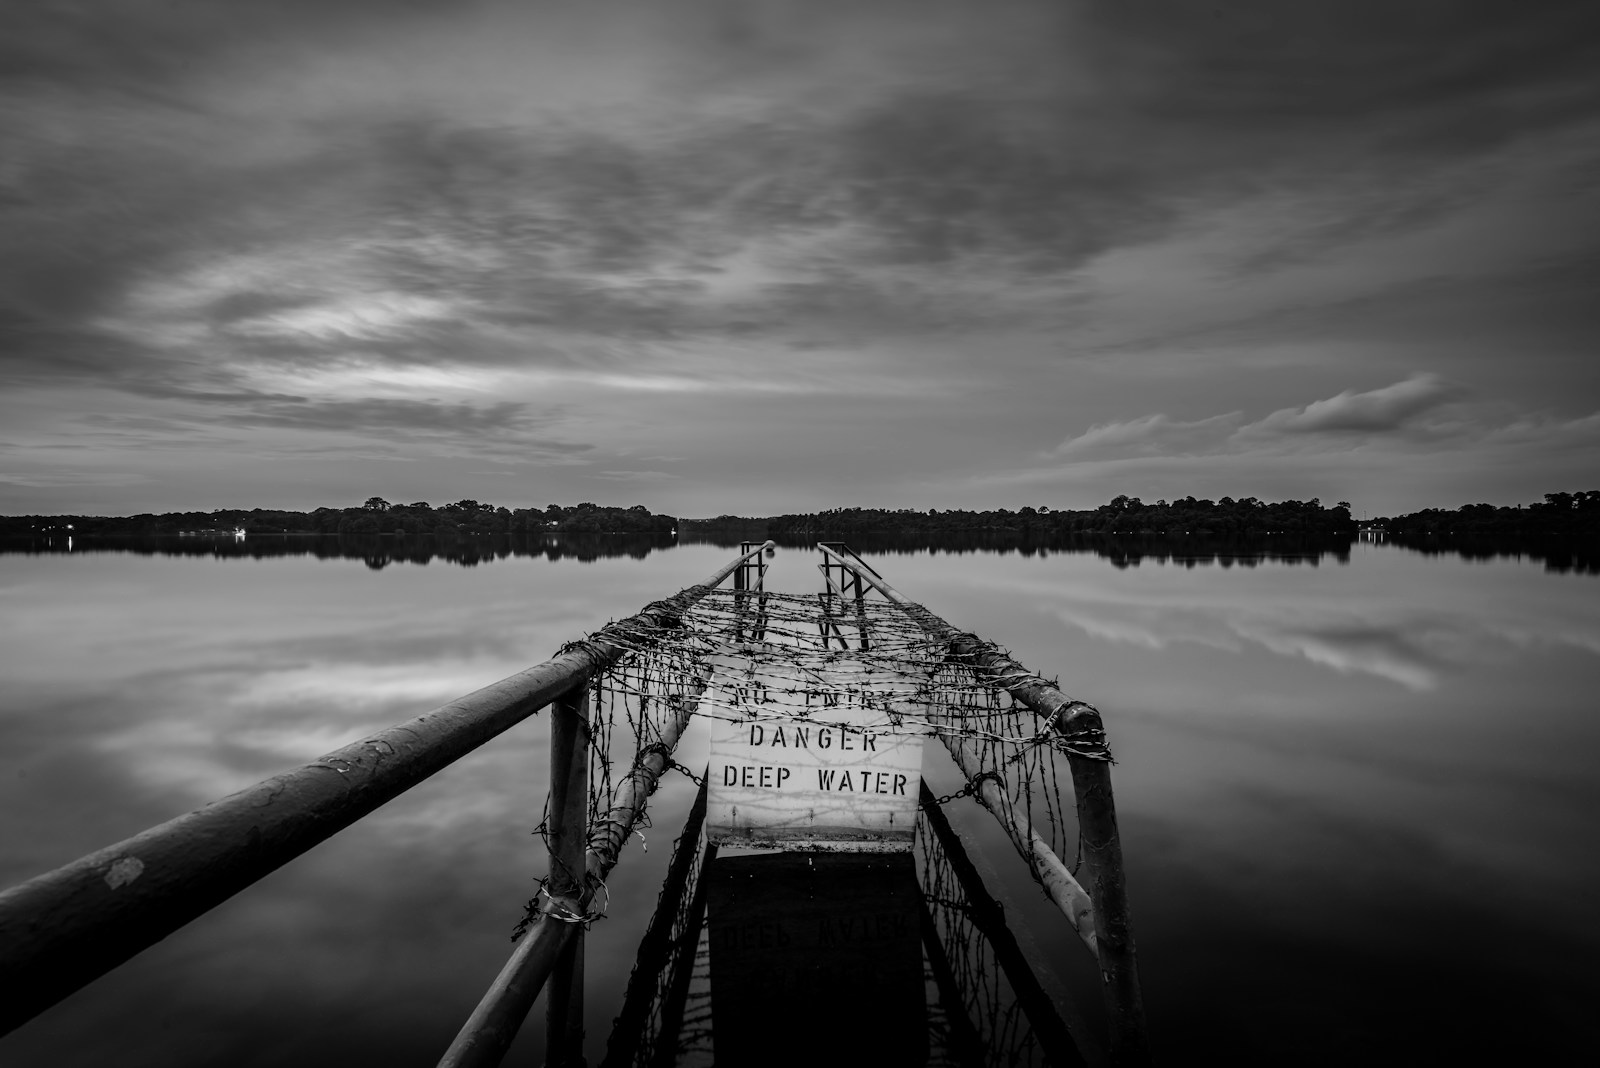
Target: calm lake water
[{"x": 1357, "y": 794}]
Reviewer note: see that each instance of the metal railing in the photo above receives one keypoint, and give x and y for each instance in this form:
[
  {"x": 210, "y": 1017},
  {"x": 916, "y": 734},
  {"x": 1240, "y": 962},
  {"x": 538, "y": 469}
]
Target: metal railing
[{"x": 65, "y": 928}]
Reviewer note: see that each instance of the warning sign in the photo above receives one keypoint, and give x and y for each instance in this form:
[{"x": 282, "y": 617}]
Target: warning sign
[{"x": 838, "y": 776}]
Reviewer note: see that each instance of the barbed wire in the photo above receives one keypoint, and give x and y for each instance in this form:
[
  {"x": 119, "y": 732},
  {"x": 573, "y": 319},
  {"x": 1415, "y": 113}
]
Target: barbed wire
[
  {"x": 856, "y": 666},
  {"x": 989, "y": 1015}
]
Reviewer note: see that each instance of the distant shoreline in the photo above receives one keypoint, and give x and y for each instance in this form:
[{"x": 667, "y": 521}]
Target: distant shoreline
[{"x": 1559, "y": 514}]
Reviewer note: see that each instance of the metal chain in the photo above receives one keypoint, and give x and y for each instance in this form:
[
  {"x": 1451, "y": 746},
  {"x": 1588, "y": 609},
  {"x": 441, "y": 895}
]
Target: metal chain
[
  {"x": 965, "y": 791},
  {"x": 696, "y": 779},
  {"x": 970, "y": 787}
]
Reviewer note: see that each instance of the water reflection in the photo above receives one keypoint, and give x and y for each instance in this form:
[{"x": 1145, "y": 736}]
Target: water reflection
[
  {"x": 1121, "y": 551},
  {"x": 1560, "y": 555},
  {"x": 816, "y": 959},
  {"x": 1125, "y": 551},
  {"x": 1398, "y": 642},
  {"x": 1354, "y": 797}
]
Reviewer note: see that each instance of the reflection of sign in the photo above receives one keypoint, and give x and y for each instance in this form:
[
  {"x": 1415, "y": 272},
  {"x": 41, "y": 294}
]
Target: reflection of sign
[
  {"x": 816, "y": 956},
  {"x": 838, "y": 776}
]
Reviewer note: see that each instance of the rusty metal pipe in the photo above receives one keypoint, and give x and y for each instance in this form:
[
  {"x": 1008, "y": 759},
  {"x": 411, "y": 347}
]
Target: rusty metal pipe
[
  {"x": 569, "y": 827},
  {"x": 487, "y": 1034},
  {"x": 61, "y": 930}
]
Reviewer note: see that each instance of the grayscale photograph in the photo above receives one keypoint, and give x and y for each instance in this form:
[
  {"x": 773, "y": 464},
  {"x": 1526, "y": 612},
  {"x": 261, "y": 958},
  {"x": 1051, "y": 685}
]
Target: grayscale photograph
[{"x": 672, "y": 533}]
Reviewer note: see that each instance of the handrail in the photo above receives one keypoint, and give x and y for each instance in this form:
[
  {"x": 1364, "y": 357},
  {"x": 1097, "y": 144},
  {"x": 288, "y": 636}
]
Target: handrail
[
  {"x": 1100, "y": 916},
  {"x": 61, "y": 930},
  {"x": 839, "y": 548},
  {"x": 488, "y": 1032}
]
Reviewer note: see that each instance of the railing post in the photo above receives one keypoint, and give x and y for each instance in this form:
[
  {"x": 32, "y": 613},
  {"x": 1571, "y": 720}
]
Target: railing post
[
  {"x": 568, "y": 834},
  {"x": 860, "y": 591},
  {"x": 1108, "y": 887}
]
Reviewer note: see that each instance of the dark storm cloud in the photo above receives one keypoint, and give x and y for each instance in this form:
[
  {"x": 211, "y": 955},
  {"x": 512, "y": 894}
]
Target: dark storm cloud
[
  {"x": 95, "y": 222},
  {"x": 1031, "y": 174},
  {"x": 150, "y": 45},
  {"x": 508, "y": 425},
  {"x": 1494, "y": 67},
  {"x": 235, "y": 206},
  {"x": 1554, "y": 290},
  {"x": 942, "y": 178}
]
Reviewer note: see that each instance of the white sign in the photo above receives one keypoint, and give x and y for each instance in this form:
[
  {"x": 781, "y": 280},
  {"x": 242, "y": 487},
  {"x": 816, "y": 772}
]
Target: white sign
[{"x": 835, "y": 776}]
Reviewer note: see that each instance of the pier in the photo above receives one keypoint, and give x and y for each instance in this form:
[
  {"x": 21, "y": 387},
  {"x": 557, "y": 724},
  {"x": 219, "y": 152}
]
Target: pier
[{"x": 819, "y": 704}]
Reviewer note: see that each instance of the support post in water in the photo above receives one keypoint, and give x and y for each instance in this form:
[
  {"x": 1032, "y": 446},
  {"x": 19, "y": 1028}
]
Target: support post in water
[
  {"x": 1108, "y": 887},
  {"x": 568, "y": 833}
]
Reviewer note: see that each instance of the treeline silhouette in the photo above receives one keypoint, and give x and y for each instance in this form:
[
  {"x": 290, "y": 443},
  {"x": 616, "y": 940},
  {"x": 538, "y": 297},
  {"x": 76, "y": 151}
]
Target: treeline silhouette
[
  {"x": 1559, "y": 515},
  {"x": 1190, "y": 517},
  {"x": 376, "y": 516},
  {"x": 1561, "y": 532},
  {"x": 375, "y": 550}
]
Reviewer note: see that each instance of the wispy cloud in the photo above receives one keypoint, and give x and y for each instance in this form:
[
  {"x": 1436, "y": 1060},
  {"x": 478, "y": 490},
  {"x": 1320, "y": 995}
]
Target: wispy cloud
[
  {"x": 72, "y": 479},
  {"x": 1149, "y": 435},
  {"x": 627, "y": 210},
  {"x": 1368, "y": 415},
  {"x": 1383, "y": 410},
  {"x": 1413, "y": 428},
  {"x": 636, "y": 476}
]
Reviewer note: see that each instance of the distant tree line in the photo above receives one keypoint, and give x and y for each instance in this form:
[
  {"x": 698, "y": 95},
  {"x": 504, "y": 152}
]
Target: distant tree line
[
  {"x": 1227, "y": 518},
  {"x": 1560, "y": 514},
  {"x": 376, "y": 550},
  {"x": 376, "y": 516}
]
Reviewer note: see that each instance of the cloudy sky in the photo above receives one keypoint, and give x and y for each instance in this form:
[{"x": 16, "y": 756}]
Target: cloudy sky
[{"x": 753, "y": 256}]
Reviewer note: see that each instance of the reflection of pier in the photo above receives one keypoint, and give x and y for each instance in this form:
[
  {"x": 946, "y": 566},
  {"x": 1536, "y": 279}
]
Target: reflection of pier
[
  {"x": 826, "y": 937},
  {"x": 907, "y": 946},
  {"x": 910, "y": 944}
]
